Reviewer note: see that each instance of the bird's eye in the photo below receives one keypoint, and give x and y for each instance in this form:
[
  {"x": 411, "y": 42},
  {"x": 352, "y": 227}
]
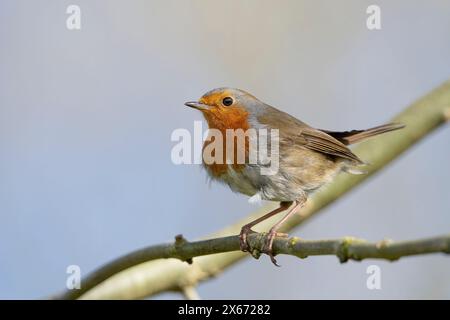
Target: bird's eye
[{"x": 227, "y": 101}]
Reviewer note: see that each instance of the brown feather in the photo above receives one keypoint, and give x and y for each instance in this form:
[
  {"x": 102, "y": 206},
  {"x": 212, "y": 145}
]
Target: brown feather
[
  {"x": 354, "y": 136},
  {"x": 302, "y": 134},
  {"x": 322, "y": 142}
]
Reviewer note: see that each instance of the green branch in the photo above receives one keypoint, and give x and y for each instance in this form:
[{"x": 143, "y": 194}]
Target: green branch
[
  {"x": 141, "y": 278},
  {"x": 345, "y": 249}
]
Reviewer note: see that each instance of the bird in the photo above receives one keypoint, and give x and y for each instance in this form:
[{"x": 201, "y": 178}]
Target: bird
[{"x": 308, "y": 158}]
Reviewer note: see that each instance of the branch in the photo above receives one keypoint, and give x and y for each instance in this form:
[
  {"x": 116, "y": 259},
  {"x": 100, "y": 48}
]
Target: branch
[
  {"x": 149, "y": 278},
  {"x": 345, "y": 249}
]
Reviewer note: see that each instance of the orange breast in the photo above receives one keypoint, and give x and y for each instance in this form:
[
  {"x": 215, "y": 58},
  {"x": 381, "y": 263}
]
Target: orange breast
[{"x": 222, "y": 119}]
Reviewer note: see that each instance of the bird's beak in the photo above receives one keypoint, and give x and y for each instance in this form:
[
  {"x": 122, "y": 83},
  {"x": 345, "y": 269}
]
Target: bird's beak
[{"x": 197, "y": 105}]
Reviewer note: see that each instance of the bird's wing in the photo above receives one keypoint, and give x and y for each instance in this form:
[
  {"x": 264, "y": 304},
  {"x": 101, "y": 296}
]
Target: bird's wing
[
  {"x": 320, "y": 141},
  {"x": 342, "y": 136},
  {"x": 299, "y": 133}
]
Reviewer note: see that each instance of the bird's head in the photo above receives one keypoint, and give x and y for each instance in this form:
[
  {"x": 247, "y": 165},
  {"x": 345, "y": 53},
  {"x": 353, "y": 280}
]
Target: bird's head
[{"x": 226, "y": 108}]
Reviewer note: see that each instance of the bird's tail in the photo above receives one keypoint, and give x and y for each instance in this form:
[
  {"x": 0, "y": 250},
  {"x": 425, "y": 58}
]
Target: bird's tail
[{"x": 355, "y": 136}]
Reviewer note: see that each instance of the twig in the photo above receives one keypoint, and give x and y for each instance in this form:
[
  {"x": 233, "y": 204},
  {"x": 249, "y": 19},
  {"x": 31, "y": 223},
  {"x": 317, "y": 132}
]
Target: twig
[
  {"x": 345, "y": 249},
  {"x": 190, "y": 293}
]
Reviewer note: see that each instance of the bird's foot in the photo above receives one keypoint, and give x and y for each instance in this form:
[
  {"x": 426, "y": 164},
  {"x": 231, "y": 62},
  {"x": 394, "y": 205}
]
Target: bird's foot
[
  {"x": 245, "y": 231},
  {"x": 267, "y": 249}
]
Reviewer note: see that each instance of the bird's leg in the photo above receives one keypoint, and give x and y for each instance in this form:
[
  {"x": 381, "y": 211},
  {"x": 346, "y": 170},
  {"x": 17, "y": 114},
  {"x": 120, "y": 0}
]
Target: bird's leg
[
  {"x": 273, "y": 231},
  {"x": 247, "y": 229}
]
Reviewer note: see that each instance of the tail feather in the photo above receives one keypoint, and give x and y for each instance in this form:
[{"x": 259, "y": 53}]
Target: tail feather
[{"x": 354, "y": 136}]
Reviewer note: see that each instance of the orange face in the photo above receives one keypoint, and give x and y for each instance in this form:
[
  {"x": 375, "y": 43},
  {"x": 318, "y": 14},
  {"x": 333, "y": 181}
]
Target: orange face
[{"x": 222, "y": 111}]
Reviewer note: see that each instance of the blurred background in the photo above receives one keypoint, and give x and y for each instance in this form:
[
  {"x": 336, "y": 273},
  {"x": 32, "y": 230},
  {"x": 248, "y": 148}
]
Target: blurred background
[{"x": 86, "y": 117}]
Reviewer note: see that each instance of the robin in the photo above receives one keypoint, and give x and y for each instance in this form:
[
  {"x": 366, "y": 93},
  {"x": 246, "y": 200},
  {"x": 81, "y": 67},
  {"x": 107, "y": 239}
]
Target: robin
[{"x": 308, "y": 157}]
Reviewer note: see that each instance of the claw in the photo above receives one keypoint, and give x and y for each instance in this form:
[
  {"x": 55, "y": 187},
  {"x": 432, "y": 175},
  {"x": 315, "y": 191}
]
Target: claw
[
  {"x": 274, "y": 261},
  {"x": 269, "y": 244},
  {"x": 245, "y": 231}
]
